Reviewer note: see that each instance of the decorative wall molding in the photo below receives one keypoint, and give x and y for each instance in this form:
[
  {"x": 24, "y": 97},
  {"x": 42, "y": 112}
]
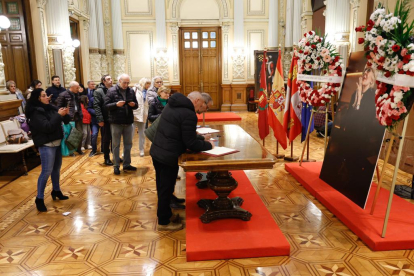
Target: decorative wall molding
[
  {"x": 95, "y": 66},
  {"x": 286, "y": 60},
  {"x": 282, "y": 23},
  {"x": 254, "y": 12},
  {"x": 73, "y": 10},
  {"x": 41, "y": 6},
  {"x": 150, "y": 34},
  {"x": 225, "y": 31},
  {"x": 250, "y": 50},
  {"x": 105, "y": 67},
  {"x": 355, "y": 7},
  {"x": 132, "y": 13},
  {"x": 108, "y": 36},
  {"x": 119, "y": 64},
  {"x": 223, "y": 5},
  {"x": 41, "y": 3},
  {"x": 161, "y": 62},
  {"x": 2, "y": 73},
  {"x": 238, "y": 64},
  {"x": 174, "y": 34},
  {"x": 69, "y": 64}
]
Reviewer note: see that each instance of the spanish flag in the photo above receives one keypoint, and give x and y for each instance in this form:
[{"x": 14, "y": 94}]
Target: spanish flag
[
  {"x": 263, "y": 106},
  {"x": 277, "y": 105}
]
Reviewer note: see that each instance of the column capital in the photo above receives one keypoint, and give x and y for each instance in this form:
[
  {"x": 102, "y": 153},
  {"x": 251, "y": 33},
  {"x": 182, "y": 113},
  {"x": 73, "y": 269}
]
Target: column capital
[
  {"x": 225, "y": 28},
  {"x": 174, "y": 28},
  {"x": 355, "y": 3},
  {"x": 41, "y": 3}
]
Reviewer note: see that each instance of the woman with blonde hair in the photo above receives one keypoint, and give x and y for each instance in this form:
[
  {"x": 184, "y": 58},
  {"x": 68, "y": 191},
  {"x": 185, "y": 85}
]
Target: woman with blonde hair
[
  {"x": 156, "y": 107},
  {"x": 141, "y": 114}
]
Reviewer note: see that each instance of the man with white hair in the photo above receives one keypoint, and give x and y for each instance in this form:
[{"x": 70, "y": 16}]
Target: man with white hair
[
  {"x": 175, "y": 134},
  {"x": 71, "y": 99},
  {"x": 120, "y": 101}
]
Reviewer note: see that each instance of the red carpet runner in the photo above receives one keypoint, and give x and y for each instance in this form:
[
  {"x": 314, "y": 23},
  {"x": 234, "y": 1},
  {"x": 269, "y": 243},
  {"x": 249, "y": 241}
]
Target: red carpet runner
[
  {"x": 219, "y": 116},
  {"x": 231, "y": 238},
  {"x": 400, "y": 231}
]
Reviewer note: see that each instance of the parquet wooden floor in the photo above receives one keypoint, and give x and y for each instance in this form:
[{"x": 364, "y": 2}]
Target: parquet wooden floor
[{"x": 112, "y": 226}]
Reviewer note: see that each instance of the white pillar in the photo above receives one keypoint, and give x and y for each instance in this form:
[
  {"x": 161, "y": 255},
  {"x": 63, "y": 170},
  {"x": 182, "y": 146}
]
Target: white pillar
[
  {"x": 101, "y": 37},
  {"x": 359, "y": 17},
  {"x": 289, "y": 24},
  {"x": 161, "y": 55},
  {"x": 118, "y": 40},
  {"x": 331, "y": 19},
  {"x": 273, "y": 23},
  {"x": 60, "y": 47},
  {"x": 175, "y": 51},
  {"x": 160, "y": 23},
  {"x": 342, "y": 16},
  {"x": 307, "y": 14},
  {"x": 94, "y": 56},
  {"x": 297, "y": 20},
  {"x": 238, "y": 51},
  {"x": 238, "y": 24}
]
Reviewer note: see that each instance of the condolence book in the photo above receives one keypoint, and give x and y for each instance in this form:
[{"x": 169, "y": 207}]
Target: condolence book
[{"x": 219, "y": 151}]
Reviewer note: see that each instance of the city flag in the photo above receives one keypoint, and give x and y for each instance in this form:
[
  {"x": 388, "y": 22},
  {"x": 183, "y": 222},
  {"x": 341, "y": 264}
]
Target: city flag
[
  {"x": 277, "y": 104},
  {"x": 263, "y": 122},
  {"x": 292, "y": 117}
]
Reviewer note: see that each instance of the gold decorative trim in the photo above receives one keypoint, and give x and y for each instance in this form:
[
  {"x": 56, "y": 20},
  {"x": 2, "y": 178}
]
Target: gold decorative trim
[
  {"x": 102, "y": 51},
  {"x": 119, "y": 51},
  {"x": 93, "y": 51}
]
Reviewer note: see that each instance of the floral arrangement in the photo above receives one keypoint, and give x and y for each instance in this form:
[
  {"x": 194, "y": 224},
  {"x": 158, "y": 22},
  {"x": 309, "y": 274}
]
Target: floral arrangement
[
  {"x": 389, "y": 46},
  {"x": 316, "y": 54}
]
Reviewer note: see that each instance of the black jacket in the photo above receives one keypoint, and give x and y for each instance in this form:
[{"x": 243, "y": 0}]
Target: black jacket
[
  {"x": 123, "y": 114},
  {"x": 72, "y": 100},
  {"x": 98, "y": 103},
  {"x": 155, "y": 109},
  {"x": 55, "y": 91},
  {"x": 91, "y": 111},
  {"x": 176, "y": 131},
  {"x": 45, "y": 123}
]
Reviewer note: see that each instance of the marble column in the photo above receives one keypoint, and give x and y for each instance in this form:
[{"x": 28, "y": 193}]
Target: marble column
[
  {"x": 59, "y": 40},
  {"x": 273, "y": 24},
  {"x": 297, "y": 20},
  {"x": 342, "y": 19},
  {"x": 118, "y": 40},
  {"x": 331, "y": 19},
  {"x": 41, "y": 5},
  {"x": 175, "y": 53},
  {"x": 359, "y": 17},
  {"x": 100, "y": 31},
  {"x": 307, "y": 14},
  {"x": 94, "y": 56},
  {"x": 161, "y": 55},
  {"x": 238, "y": 51},
  {"x": 289, "y": 21}
]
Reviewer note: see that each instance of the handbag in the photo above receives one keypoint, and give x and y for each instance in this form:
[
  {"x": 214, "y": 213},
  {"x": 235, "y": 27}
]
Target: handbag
[
  {"x": 74, "y": 139},
  {"x": 16, "y": 136},
  {"x": 152, "y": 129}
]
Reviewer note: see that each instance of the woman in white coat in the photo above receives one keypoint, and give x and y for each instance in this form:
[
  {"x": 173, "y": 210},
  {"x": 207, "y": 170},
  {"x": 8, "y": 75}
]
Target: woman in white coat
[{"x": 141, "y": 114}]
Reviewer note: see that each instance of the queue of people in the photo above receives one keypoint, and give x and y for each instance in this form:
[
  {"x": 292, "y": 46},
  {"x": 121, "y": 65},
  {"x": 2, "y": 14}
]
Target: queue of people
[{"x": 117, "y": 111}]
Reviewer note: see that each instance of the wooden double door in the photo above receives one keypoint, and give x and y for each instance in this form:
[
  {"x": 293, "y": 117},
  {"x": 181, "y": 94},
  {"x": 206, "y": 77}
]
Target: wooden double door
[{"x": 200, "y": 52}]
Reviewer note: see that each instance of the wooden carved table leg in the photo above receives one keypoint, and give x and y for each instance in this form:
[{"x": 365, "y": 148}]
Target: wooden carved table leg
[
  {"x": 203, "y": 179},
  {"x": 24, "y": 162},
  {"x": 222, "y": 183}
]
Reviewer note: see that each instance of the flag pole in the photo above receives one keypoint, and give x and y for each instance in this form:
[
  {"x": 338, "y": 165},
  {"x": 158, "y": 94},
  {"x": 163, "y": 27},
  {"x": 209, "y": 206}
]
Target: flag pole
[
  {"x": 307, "y": 137},
  {"x": 291, "y": 157},
  {"x": 278, "y": 156}
]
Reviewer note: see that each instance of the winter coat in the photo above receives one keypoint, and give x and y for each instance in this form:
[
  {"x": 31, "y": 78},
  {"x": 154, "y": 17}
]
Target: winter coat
[
  {"x": 152, "y": 94},
  {"x": 86, "y": 116},
  {"x": 176, "y": 131},
  {"x": 68, "y": 98},
  {"x": 98, "y": 103},
  {"x": 55, "y": 92},
  {"x": 124, "y": 114},
  {"x": 45, "y": 123},
  {"x": 140, "y": 114},
  {"x": 91, "y": 111},
  {"x": 155, "y": 109}
]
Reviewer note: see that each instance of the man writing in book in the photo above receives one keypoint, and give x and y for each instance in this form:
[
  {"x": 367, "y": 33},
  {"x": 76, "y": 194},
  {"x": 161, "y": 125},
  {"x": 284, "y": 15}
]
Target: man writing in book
[{"x": 175, "y": 134}]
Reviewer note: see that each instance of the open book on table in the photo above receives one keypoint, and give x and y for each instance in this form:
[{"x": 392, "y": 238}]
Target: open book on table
[{"x": 219, "y": 151}]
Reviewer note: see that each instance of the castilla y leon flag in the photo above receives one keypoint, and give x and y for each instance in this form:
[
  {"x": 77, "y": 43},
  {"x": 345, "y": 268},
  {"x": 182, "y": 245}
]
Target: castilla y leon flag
[
  {"x": 292, "y": 115},
  {"x": 262, "y": 123},
  {"x": 277, "y": 105}
]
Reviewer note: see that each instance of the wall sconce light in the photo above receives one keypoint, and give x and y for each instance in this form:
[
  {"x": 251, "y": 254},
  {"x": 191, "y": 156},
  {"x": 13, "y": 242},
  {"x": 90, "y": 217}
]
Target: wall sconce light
[
  {"x": 76, "y": 43},
  {"x": 4, "y": 22}
]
